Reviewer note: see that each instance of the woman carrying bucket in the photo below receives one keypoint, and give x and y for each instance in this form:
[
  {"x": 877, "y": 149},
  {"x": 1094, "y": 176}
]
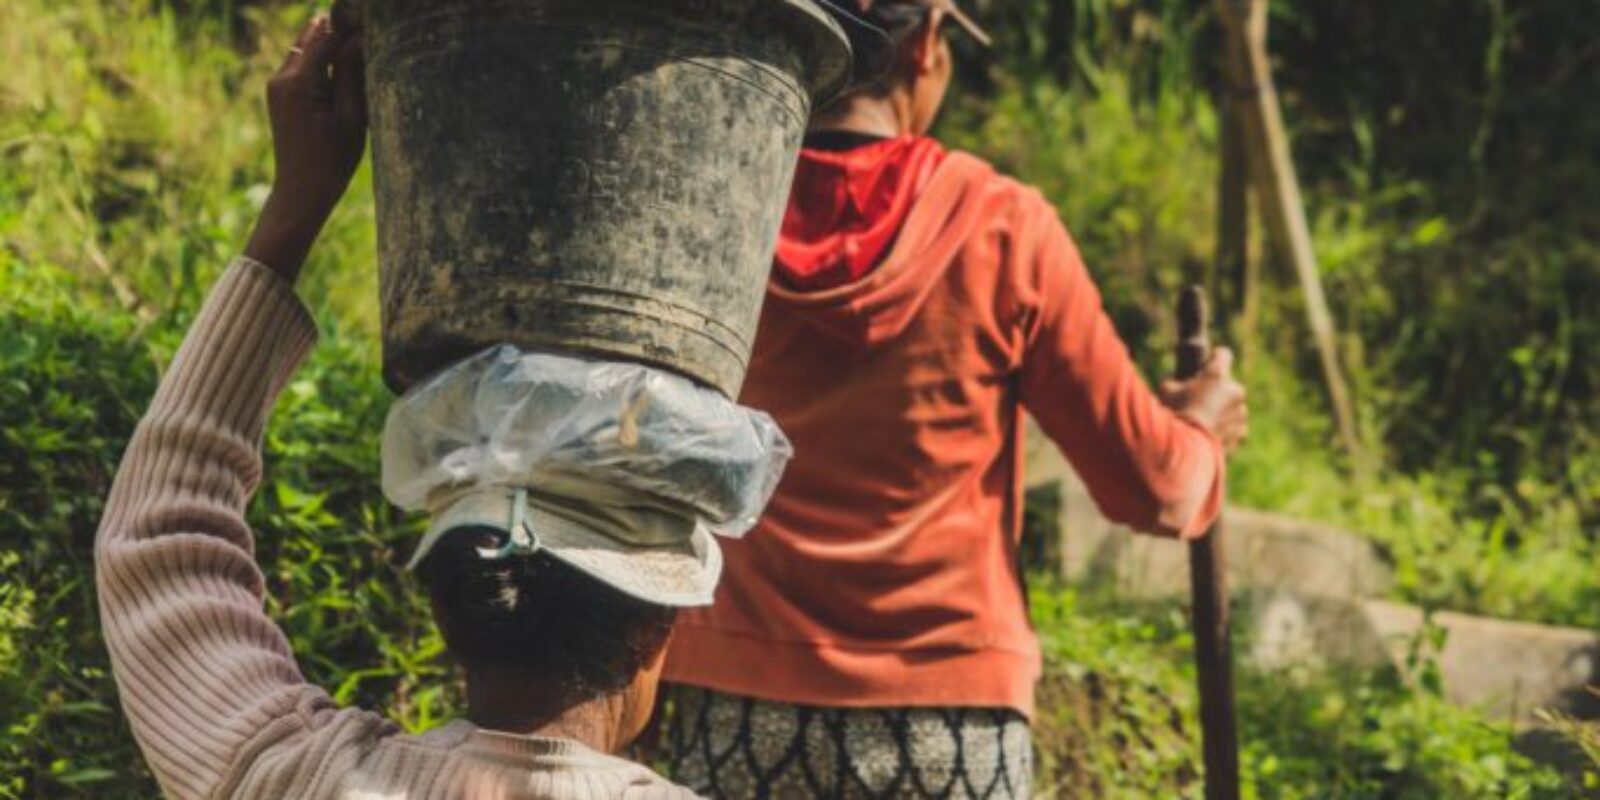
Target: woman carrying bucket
[
  {"x": 573, "y": 499},
  {"x": 870, "y": 637}
]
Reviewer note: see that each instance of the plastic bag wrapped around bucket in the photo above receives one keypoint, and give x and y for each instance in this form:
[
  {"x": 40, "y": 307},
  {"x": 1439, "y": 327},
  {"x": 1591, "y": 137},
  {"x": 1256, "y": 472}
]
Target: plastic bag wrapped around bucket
[{"x": 508, "y": 418}]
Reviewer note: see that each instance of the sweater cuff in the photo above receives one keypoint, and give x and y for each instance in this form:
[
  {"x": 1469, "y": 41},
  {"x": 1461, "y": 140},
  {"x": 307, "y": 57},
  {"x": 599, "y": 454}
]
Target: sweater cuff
[{"x": 249, "y": 338}]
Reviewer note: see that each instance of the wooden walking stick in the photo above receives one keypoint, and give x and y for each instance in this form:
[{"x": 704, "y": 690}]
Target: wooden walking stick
[{"x": 1208, "y": 587}]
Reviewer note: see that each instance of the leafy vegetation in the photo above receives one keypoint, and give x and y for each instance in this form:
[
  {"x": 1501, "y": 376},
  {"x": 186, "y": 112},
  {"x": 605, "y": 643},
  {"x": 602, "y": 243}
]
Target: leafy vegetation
[
  {"x": 1449, "y": 213},
  {"x": 1118, "y": 720},
  {"x": 75, "y": 380}
]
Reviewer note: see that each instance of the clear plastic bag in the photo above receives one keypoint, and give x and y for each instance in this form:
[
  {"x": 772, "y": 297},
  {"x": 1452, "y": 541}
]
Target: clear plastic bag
[{"x": 508, "y": 418}]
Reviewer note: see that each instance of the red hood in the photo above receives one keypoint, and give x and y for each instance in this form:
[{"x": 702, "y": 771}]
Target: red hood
[
  {"x": 846, "y": 208},
  {"x": 880, "y": 267}
]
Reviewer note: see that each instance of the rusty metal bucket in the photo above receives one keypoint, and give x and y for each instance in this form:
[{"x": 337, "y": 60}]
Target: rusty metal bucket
[{"x": 601, "y": 177}]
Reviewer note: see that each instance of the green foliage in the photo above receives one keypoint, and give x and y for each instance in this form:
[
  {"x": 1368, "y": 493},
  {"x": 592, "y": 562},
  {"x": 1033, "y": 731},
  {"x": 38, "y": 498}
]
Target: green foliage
[
  {"x": 140, "y": 171},
  {"x": 1117, "y": 715},
  {"x": 333, "y": 548},
  {"x": 1585, "y": 737},
  {"x": 1380, "y": 733},
  {"x": 1118, "y": 720},
  {"x": 73, "y": 381}
]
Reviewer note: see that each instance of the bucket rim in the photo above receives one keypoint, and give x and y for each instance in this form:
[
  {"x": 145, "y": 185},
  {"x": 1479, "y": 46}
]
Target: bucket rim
[{"x": 829, "y": 72}]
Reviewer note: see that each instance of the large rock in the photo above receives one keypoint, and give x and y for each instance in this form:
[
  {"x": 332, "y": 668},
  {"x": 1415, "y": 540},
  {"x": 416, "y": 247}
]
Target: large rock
[
  {"x": 1509, "y": 670},
  {"x": 1304, "y": 595},
  {"x": 1264, "y": 550}
]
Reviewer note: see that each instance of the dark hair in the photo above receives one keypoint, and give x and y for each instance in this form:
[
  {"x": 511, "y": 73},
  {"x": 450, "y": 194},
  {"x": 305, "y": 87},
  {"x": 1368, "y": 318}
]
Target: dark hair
[
  {"x": 875, "y": 56},
  {"x": 539, "y": 613}
]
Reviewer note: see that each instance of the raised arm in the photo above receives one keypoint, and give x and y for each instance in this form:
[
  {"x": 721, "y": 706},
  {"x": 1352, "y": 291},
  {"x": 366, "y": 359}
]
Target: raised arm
[
  {"x": 206, "y": 678},
  {"x": 199, "y": 666},
  {"x": 1156, "y": 468}
]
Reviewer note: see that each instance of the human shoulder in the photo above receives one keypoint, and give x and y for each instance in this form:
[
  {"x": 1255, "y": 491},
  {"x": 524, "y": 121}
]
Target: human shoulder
[
  {"x": 999, "y": 188},
  {"x": 1006, "y": 210},
  {"x": 530, "y": 766},
  {"x": 352, "y": 754}
]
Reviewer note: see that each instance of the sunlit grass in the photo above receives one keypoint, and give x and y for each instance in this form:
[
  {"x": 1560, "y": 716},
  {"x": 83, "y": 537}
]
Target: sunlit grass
[{"x": 137, "y": 153}]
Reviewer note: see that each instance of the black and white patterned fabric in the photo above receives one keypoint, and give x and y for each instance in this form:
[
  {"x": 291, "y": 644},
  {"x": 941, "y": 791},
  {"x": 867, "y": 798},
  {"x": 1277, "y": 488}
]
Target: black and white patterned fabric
[{"x": 737, "y": 748}]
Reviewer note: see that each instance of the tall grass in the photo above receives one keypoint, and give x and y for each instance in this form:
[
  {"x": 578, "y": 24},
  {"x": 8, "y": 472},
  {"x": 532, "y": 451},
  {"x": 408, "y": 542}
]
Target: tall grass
[
  {"x": 136, "y": 153},
  {"x": 1118, "y": 719}
]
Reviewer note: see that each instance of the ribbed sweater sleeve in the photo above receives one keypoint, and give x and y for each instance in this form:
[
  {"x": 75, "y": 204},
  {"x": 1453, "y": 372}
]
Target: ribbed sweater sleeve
[
  {"x": 208, "y": 682},
  {"x": 1144, "y": 465},
  {"x": 200, "y": 667}
]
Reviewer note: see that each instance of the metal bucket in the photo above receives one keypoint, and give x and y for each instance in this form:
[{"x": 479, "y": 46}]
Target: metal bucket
[{"x": 591, "y": 176}]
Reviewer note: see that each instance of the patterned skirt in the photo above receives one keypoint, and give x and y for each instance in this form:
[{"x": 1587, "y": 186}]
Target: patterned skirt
[{"x": 730, "y": 747}]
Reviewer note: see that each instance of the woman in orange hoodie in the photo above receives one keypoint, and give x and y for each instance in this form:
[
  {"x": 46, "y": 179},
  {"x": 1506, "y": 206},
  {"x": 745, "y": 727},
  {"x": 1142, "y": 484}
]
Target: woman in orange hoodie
[{"x": 870, "y": 637}]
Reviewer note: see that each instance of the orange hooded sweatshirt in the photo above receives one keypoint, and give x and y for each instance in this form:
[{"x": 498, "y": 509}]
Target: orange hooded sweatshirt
[{"x": 884, "y": 572}]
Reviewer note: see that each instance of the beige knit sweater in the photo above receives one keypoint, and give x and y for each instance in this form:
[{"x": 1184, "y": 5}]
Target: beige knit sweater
[{"x": 207, "y": 680}]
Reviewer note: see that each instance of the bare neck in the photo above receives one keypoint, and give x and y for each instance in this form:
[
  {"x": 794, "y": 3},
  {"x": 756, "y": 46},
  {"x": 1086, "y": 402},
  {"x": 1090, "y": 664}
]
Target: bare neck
[
  {"x": 888, "y": 116},
  {"x": 507, "y": 699}
]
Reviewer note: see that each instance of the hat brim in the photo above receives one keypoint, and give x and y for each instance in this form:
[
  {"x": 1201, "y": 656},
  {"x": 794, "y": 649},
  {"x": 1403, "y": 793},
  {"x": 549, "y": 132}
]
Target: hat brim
[
  {"x": 852, "y": 24},
  {"x": 681, "y": 573},
  {"x": 865, "y": 39}
]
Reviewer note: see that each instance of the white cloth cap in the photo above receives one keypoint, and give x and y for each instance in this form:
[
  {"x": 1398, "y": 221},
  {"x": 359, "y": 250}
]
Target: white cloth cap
[
  {"x": 620, "y": 470},
  {"x": 656, "y": 556}
]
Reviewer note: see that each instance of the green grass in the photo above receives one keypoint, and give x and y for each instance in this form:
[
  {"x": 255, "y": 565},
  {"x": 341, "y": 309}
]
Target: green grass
[
  {"x": 1118, "y": 719},
  {"x": 136, "y": 154}
]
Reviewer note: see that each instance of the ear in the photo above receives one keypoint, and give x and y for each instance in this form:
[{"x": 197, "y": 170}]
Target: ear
[{"x": 926, "y": 48}]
